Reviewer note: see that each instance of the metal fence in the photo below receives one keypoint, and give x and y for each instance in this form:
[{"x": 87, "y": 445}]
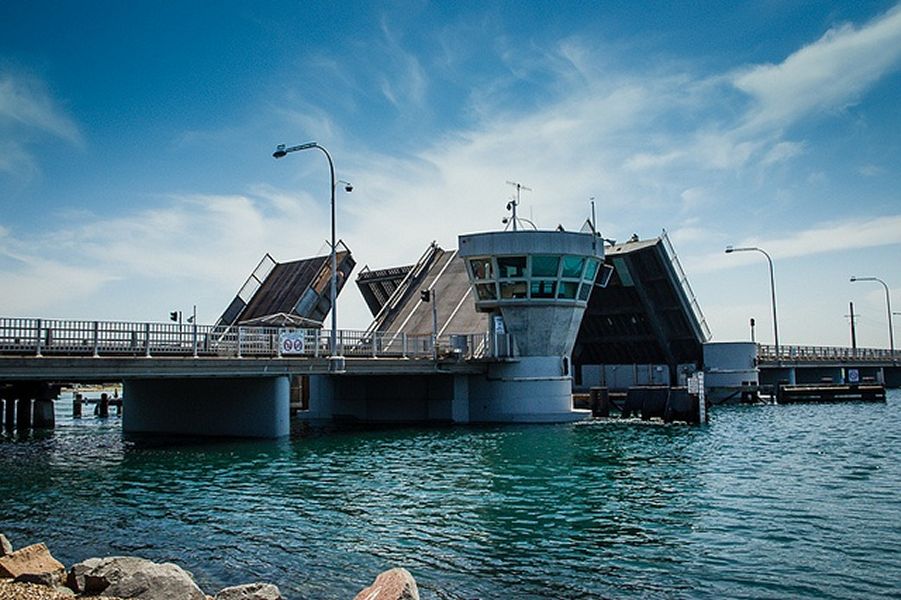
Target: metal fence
[
  {"x": 767, "y": 353},
  {"x": 54, "y": 337}
]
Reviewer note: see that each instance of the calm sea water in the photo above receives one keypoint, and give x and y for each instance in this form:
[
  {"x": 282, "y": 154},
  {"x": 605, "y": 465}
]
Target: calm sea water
[{"x": 764, "y": 502}]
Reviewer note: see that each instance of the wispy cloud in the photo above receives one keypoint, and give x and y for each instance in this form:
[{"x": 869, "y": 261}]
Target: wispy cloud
[
  {"x": 829, "y": 74},
  {"x": 403, "y": 80},
  {"x": 822, "y": 238},
  {"x": 27, "y": 109},
  {"x": 25, "y": 100}
]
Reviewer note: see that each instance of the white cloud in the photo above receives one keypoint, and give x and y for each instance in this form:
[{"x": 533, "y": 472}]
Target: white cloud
[
  {"x": 870, "y": 170},
  {"x": 782, "y": 151},
  {"x": 831, "y": 73},
  {"x": 25, "y": 100},
  {"x": 830, "y": 237},
  {"x": 27, "y": 108}
]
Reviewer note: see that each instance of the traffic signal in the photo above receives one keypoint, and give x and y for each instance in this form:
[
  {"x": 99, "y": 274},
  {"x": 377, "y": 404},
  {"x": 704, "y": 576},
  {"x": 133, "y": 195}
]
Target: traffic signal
[{"x": 425, "y": 295}]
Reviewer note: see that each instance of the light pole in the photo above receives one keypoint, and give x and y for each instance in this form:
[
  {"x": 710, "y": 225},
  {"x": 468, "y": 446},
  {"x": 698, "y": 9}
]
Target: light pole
[
  {"x": 730, "y": 250},
  {"x": 280, "y": 152},
  {"x": 888, "y": 309}
]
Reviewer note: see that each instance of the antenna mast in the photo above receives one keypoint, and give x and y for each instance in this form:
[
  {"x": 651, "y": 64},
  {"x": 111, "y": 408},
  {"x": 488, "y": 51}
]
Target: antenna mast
[{"x": 515, "y": 202}]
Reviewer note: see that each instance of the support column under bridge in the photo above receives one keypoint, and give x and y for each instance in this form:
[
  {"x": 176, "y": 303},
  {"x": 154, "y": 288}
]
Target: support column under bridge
[
  {"x": 243, "y": 407},
  {"x": 389, "y": 398}
]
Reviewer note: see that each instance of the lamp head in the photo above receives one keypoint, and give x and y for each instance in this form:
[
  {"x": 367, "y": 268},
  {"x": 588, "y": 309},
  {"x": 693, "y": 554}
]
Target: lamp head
[
  {"x": 348, "y": 188},
  {"x": 279, "y": 151},
  {"x": 509, "y": 205},
  {"x": 505, "y": 220},
  {"x": 853, "y": 278},
  {"x": 729, "y": 249}
]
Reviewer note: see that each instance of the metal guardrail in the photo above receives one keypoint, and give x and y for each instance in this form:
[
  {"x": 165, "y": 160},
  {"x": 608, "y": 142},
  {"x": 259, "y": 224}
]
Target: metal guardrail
[
  {"x": 816, "y": 354},
  {"x": 46, "y": 337}
]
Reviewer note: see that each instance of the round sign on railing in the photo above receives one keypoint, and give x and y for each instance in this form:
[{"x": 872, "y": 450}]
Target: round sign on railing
[{"x": 292, "y": 342}]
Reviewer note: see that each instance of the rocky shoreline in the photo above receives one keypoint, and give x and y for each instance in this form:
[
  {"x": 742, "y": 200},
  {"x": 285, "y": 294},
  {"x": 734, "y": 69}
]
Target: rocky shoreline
[{"x": 31, "y": 573}]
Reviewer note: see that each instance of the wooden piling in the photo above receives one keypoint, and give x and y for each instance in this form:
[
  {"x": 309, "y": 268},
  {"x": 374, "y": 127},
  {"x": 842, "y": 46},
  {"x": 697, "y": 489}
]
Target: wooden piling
[
  {"x": 600, "y": 402},
  {"x": 103, "y": 406}
]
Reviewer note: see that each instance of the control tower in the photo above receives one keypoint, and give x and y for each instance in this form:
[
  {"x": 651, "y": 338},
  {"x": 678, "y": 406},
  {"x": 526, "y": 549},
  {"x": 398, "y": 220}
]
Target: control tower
[{"x": 535, "y": 286}]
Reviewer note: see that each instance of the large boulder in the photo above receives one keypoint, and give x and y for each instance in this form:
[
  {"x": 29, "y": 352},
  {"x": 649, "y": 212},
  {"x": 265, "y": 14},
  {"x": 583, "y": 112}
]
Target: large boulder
[
  {"x": 33, "y": 564},
  {"x": 250, "y": 591},
  {"x": 5, "y": 546},
  {"x": 75, "y": 580},
  {"x": 394, "y": 584},
  {"x": 132, "y": 577}
]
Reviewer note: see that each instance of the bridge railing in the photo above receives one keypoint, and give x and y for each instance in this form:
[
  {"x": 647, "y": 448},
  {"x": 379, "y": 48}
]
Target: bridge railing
[
  {"x": 767, "y": 354},
  {"x": 39, "y": 337}
]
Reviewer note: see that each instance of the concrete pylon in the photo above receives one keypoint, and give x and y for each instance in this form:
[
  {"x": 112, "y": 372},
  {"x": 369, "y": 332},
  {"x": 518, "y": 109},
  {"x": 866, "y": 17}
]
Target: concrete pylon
[
  {"x": 44, "y": 414},
  {"x": 10, "y": 413},
  {"x": 23, "y": 413}
]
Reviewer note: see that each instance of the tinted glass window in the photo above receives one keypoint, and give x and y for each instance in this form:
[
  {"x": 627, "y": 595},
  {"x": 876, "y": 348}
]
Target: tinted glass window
[
  {"x": 481, "y": 268},
  {"x": 516, "y": 289},
  {"x": 486, "y": 291},
  {"x": 545, "y": 266},
  {"x": 572, "y": 266},
  {"x": 544, "y": 288},
  {"x": 511, "y": 267},
  {"x": 568, "y": 289},
  {"x": 584, "y": 291},
  {"x": 591, "y": 270}
]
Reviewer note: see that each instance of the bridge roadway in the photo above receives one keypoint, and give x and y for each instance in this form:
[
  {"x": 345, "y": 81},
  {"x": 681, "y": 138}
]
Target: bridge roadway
[
  {"x": 87, "y": 369},
  {"x": 236, "y": 381},
  {"x": 819, "y": 364},
  {"x": 88, "y": 351}
]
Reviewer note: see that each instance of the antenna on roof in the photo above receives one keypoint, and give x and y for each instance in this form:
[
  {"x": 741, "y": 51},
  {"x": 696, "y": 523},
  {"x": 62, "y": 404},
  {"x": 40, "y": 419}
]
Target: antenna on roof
[
  {"x": 594, "y": 225},
  {"x": 515, "y": 202}
]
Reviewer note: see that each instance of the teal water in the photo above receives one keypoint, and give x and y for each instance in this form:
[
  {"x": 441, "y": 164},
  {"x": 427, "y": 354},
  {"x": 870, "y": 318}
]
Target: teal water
[{"x": 764, "y": 502}]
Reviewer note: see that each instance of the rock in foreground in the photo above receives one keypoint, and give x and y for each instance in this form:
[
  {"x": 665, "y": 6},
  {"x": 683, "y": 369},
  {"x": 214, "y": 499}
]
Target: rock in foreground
[
  {"x": 250, "y": 591},
  {"x": 132, "y": 577},
  {"x": 394, "y": 584},
  {"x": 33, "y": 564},
  {"x": 5, "y": 546}
]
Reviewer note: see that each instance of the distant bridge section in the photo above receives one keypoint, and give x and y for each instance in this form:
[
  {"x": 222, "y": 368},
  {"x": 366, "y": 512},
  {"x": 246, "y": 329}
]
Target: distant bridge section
[
  {"x": 828, "y": 364},
  {"x": 826, "y": 355}
]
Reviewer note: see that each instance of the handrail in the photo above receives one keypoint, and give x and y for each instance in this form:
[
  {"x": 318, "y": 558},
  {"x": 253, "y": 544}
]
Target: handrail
[
  {"x": 61, "y": 337},
  {"x": 767, "y": 354}
]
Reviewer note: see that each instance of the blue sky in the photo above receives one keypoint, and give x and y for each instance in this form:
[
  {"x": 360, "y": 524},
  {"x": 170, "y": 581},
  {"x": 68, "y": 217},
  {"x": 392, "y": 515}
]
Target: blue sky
[{"x": 135, "y": 145}]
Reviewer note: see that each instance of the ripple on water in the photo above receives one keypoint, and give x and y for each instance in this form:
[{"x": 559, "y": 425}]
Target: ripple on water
[{"x": 765, "y": 502}]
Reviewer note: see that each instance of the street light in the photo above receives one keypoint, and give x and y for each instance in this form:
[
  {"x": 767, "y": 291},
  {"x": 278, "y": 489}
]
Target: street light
[
  {"x": 730, "y": 250},
  {"x": 280, "y": 152},
  {"x": 888, "y": 309}
]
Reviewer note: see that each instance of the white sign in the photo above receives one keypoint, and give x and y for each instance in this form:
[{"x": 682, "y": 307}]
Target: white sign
[
  {"x": 499, "y": 327},
  {"x": 291, "y": 342}
]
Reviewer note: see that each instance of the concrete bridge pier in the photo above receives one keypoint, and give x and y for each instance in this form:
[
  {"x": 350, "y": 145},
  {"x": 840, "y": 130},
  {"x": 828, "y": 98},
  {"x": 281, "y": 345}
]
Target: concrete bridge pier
[
  {"x": 776, "y": 375},
  {"x": 256, "y": 407},
  {"x": 820, "y": 375},
  {"x": 534, "y": 389},
  {"x": 23, "y": 413},
  {"x": 44, "y": 413},
  {"x": 9, "y": 411},
  {"x": 892, "y": 376}
]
